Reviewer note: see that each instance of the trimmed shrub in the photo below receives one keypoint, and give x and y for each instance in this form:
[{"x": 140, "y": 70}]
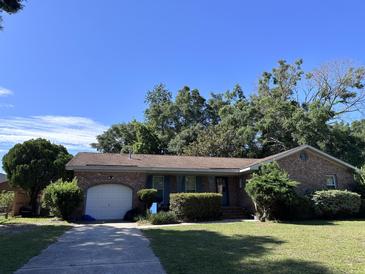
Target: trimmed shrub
[
  {"x": 62, "y": 198},
  {"x": 303, "y": 208},
  {"x": 6, "y": 201},
  {"x": 163, "y": 217},
  {"x": 336, "y": 203},
  {"x": 196, "y": 206},
  {"x": 148, "y": 196},
  {"x": 272, "y": 192}
]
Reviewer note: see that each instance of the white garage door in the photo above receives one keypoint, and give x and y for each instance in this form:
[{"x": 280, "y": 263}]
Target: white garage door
[{"x": 109, "y": 201}]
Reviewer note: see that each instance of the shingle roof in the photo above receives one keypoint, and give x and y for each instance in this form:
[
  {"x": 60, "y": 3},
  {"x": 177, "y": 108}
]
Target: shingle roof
[
  {"x": 116, "y": 161},
  {"x": 85, "y": 159}
]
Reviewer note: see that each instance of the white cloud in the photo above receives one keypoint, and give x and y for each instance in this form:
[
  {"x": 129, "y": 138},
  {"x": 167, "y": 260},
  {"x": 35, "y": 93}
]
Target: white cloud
[
  {"x": 6, "y": 105},
  {"x": 5, "y": 92},
  {"x": 75, "y": 133}
]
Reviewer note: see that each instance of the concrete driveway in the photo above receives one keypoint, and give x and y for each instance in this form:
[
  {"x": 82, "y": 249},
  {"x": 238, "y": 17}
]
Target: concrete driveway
[{"x": 97, "y": 248}]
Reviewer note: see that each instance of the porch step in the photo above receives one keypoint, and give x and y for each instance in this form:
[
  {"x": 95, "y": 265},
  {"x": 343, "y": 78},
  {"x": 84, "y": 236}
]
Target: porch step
[{"x": 233, "y": 213}]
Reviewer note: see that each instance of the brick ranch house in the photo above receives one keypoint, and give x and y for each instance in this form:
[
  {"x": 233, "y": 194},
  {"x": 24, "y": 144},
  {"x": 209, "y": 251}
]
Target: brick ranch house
[{"x": 111, "y": 181}]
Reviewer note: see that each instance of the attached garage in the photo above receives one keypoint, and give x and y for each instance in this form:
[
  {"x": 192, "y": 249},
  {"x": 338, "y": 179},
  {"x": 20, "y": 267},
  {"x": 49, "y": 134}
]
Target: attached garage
[{"x": 108, "y": 201}]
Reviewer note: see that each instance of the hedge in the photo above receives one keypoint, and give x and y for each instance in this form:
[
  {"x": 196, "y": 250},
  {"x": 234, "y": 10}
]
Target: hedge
[
  {"x": 62, "y": 198},
  {"x": 336, "y": 203},
  {"x": 196, "y": 206},
  {"x": 162, "y": 218}
]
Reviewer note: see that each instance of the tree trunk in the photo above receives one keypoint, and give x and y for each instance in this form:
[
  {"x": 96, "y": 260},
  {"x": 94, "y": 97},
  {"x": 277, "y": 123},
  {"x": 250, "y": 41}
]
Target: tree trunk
[{"x": 34, "y": 202}]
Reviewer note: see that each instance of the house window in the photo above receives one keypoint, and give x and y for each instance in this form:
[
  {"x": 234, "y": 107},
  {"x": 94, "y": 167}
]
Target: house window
[
  {"x": 331, "y": 181},
  {"x": 158, "y": 183},
  {"x": 303, "y": 156},
  {"x": 190, "y": 184}
]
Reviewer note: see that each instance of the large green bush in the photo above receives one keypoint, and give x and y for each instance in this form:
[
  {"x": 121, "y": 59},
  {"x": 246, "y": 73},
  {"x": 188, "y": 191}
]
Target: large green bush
[
  {"x": 163, "y": 217},
  {"x": 62, "y": 198},
  {"x": 300, "y": 208},
  {"x": 196, "y": 206},
  {"x": 272, "y": 191},
  {"x": 336, "y": 203}
]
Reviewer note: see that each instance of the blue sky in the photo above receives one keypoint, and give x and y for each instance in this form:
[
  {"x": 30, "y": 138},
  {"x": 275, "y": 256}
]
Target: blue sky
[{"x": 69, "y": 69}]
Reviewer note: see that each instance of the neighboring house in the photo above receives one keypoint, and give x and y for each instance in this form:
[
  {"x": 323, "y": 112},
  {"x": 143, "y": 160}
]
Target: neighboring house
[
  {"x": 21, "y": 197},
  {"x": 111, "y": 181},
  {"x": 4, "y": 183}
]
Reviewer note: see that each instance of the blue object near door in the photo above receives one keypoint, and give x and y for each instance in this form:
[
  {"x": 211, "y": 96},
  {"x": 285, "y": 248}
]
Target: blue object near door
[{"x": 153, "y": 208}]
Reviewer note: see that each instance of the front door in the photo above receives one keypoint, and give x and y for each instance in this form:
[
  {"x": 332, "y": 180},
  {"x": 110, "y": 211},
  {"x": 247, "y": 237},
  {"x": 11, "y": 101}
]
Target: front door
[{"x": 222, "y": 188}]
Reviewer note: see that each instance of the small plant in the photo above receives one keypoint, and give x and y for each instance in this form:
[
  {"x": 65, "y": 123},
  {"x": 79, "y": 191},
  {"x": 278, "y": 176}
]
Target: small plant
[
  {"x": 6, "y": 201},
  {"x": 163, "y": 217},
  {"x": 271, "y": 191},
  {"x": 141, "y": 219},
  {"x": 147, "y": 196},
  {"x": 62, "y": 198},
  {"x": 196, "y": 206},
  {"x": 336, "y": 203}
]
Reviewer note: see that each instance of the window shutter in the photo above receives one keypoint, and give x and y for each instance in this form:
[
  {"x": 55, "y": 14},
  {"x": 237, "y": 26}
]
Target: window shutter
[
  {"x": 199, "y": 184},
  {"x": 180, "y": 183},
  {"x": 149, "y": 181},
  {"x": 166, "y": 193}
]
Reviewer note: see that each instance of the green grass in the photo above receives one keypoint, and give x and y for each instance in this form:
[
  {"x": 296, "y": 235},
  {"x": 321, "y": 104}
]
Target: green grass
[
  {"x": 254, "y": 247},
  {"x": 24, "y": 238}
]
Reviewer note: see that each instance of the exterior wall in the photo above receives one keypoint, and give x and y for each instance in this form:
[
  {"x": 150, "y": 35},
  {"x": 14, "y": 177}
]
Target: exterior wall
[
  {"x": 312, "y": 172},
  {"x": 245, "y": 200},
  {"x": 233, "y": 191},
  {"x": 135, "y": 181},
  {"x": 20, "y": 197},
  {"x": 5, "y": 186}
]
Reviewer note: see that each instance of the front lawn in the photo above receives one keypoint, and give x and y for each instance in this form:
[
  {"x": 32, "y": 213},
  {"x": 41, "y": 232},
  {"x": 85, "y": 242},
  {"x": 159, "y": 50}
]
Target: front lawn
[
  {"x": 24, "y": 238},
  {"x": 254, "y": 247}
]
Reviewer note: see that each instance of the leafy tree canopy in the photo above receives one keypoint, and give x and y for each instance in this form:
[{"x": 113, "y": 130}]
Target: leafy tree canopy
[
  {"x": 34, "y": 164},
  {"x": 10, "y": 7},
  {"x": 290, "y": 107}
]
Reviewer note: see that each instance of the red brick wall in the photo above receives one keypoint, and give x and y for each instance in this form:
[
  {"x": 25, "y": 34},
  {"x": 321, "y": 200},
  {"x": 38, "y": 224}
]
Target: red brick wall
[
  {"x": 21, "y": 198},
  {"x": 312, "y": 172},
  {"x": 134, "y": 180}
]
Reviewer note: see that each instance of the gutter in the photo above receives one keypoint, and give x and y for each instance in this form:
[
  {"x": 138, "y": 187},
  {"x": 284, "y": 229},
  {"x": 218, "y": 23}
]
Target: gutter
[{"x": 96, "y": 168}]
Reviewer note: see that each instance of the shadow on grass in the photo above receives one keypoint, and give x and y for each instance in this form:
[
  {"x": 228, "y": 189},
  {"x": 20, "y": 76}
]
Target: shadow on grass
[
  {"x": 200, "y": 251},
  {"x": 311, "y": 222}
]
